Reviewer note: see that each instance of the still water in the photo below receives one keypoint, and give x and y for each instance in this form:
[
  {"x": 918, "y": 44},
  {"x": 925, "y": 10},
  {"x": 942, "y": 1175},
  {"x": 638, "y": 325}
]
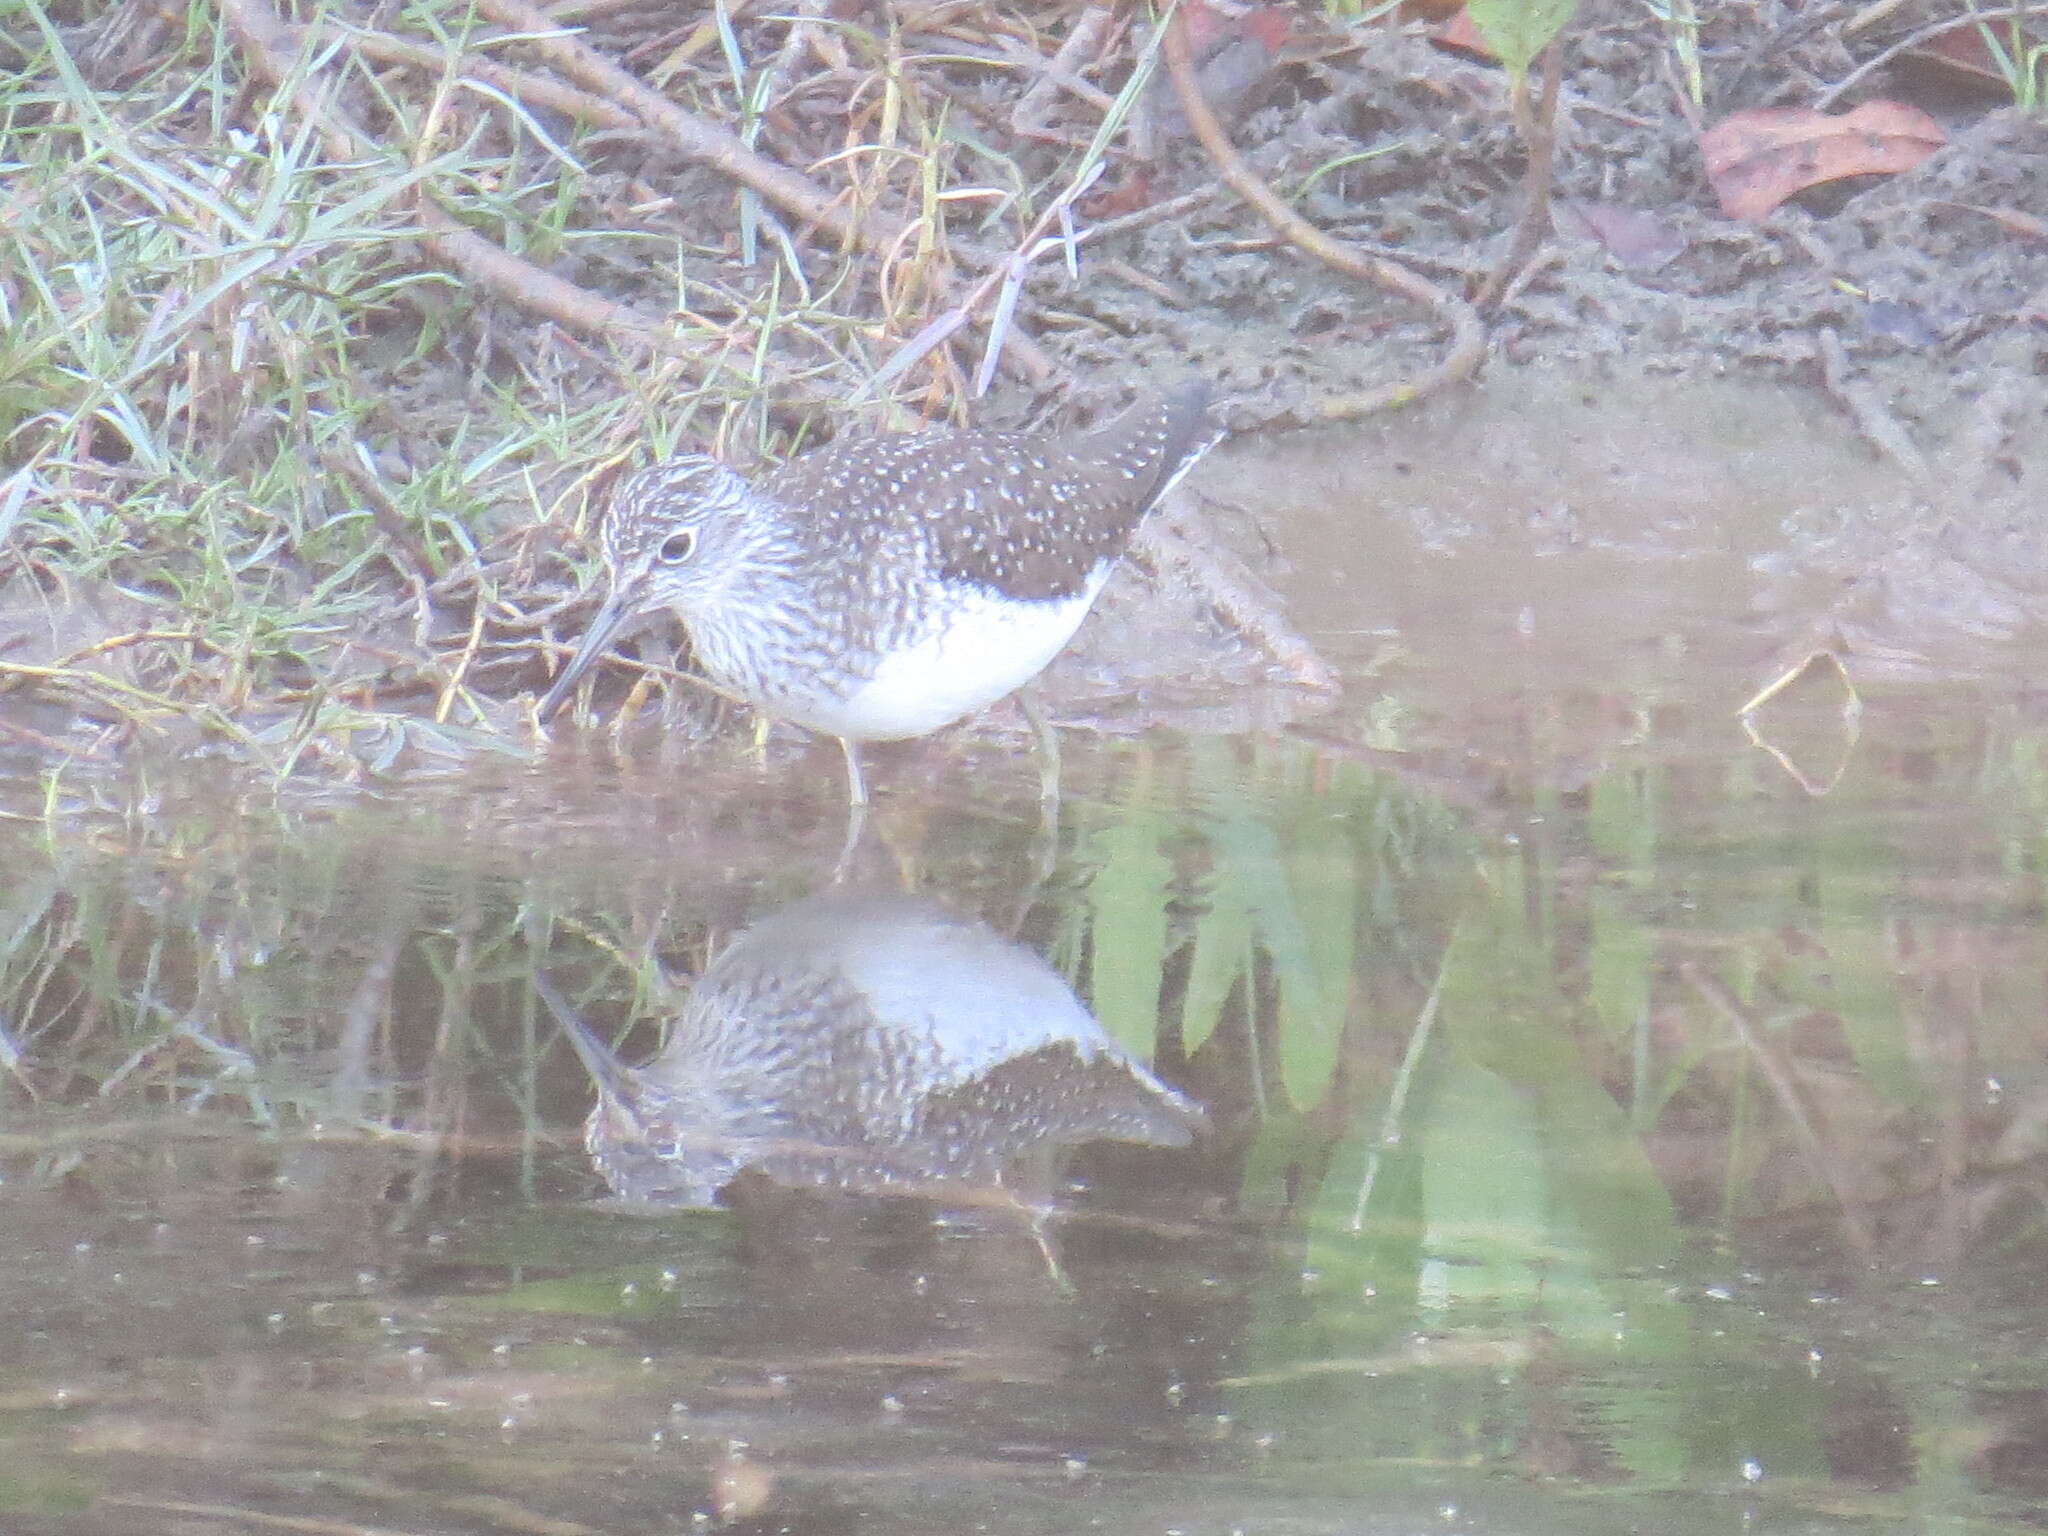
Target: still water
[{"x": 1520, "y": 1095}]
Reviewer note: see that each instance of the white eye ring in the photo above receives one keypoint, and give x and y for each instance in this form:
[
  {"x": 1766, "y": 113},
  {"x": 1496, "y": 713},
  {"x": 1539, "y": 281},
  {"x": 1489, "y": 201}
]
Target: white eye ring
[{"x": 678, "y": 547}]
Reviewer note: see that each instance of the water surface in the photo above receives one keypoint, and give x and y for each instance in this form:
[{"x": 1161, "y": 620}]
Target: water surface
[{"x": 1521, "y": 1095}]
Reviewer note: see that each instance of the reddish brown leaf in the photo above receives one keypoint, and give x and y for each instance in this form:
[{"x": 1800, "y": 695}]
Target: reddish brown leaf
[
  {"x": 1461, "y": 35},
  {"x": 1960, "y": 48},
  {"x": 1964, "y": 50},
  {"x": 1235, "y": 59},
  {"x": 1757, "y": 159},
  {"x": 1210, "y": 28},
  {"x": 1114, "y": 199}
]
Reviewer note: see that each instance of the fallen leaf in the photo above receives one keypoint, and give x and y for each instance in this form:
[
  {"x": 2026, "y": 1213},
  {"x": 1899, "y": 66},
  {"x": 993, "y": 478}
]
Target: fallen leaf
[
  {"x": 1757, "y": 159},
  {"x": 1640, "y": 241},
  {"x": 1461, "y": 35},
  {"x": 2014, "y": 219},
  {"x": 1235, "y": 59},
  {"x": 1114, "y": 199},
  {"x": 1960, "y": 48},
  {"x": 1968, "y": 51},
  {"x": 1210, "y": 28}
]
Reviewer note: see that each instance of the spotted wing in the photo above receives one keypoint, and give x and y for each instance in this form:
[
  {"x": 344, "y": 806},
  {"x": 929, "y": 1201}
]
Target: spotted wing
[{"x": 1022, "y": 514}]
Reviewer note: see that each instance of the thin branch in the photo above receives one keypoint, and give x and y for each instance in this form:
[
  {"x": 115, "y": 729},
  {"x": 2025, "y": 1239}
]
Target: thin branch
[
  {"x": 1468, "y": 343},
  {"x": 1907, "y": 44},
  {"x": 1538, "y": 126},
  {"x": 707, "y": 143},
  {"x": 1824, "y": 1162},
  {"x": 270, "y": 47},
  {"x": 521, "y": 85}
]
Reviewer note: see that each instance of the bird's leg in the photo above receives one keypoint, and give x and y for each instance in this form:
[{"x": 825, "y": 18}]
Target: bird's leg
[
  {"x": 856, "y": 783},
  {"x": 1048, "y": 758},
  {"x": 1040, "y": 1218},
  {"x": 1045, "y": 841},
  {"x": 856, "y": 811}
]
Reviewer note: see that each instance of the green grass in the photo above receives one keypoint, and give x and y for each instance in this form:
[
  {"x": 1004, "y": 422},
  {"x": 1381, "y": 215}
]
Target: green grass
[
  {"x": 211, "y": 333},
  {"x": 2020, "y": 61},
  {"x": 243, "y": 401}
]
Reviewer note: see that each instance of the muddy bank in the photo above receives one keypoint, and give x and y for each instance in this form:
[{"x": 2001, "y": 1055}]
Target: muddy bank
[{"x": 327, "y": 504}]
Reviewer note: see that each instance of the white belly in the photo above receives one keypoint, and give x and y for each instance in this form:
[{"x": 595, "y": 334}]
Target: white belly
[{"x": 984, "y": 650}]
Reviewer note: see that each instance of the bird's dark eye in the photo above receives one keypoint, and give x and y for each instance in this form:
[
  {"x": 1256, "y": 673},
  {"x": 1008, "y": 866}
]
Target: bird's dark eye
[{"x": 678, "y": 547}]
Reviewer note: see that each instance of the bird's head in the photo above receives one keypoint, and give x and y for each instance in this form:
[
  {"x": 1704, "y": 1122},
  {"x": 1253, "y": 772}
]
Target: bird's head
[{"x": 675, "y": 535}]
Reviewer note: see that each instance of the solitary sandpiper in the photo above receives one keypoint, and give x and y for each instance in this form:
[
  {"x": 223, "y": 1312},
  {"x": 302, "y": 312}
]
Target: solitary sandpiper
[
  {"x": 867, "y": 1041},
  {"x": 882, "y": 587}
]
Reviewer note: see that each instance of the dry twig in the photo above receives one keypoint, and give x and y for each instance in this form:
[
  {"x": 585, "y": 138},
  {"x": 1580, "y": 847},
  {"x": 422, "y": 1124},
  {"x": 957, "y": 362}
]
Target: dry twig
[
  {"x": 1538, "y": 124},
  {"x": 1031, "y": 117},
  {"x": 707, "y": 143},
  {"x": 1468, "y": 342},
  {"x": 269, "y": 45},
  {"x": 1167, "y": 539},
  {"x": 1879, "y": 427},
  {"x": 1918, "y": 39}
]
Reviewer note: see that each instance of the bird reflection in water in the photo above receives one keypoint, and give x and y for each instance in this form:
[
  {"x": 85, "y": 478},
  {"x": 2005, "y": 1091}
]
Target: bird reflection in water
[{"x": 871, "y": 1045}]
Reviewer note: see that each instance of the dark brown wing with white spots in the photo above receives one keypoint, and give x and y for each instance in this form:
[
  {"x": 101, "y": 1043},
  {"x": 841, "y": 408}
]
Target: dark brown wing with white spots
[
  {"x": 1027, "y": 515},
  {"x": 1097, "y": 489}
]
